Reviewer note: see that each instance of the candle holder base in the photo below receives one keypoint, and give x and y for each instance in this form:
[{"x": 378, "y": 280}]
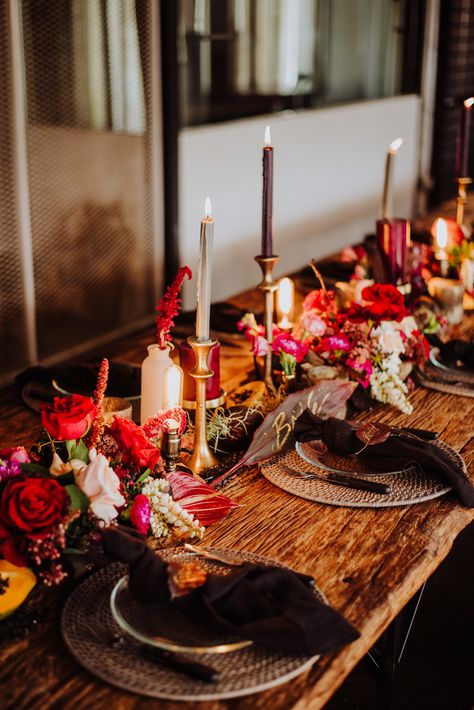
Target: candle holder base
[
  {"x": 268, "y": 286},
  {"x": 202, "y": 457}
]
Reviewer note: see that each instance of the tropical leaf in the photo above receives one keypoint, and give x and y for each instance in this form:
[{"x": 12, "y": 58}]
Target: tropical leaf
[
  {"x": 325, "y": 399},
  {"x": 198, "y": 498}
]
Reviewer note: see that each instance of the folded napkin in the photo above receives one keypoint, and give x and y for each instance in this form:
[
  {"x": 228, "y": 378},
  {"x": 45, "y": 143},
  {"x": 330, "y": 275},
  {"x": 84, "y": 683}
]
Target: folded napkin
[
  {"x": 455, "y": 351},
  {"x": 271, "y": 605},
  {"x": 123, "y": 381},
  {"x": 400, "y": 449}
]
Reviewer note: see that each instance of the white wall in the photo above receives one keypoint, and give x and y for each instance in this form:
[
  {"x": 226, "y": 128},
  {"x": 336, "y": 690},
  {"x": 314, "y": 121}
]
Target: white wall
[{"x": 328, "y": 176}]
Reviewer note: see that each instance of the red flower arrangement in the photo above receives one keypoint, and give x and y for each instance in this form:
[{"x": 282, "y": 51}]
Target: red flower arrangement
[{"x": 169, "y": 306}]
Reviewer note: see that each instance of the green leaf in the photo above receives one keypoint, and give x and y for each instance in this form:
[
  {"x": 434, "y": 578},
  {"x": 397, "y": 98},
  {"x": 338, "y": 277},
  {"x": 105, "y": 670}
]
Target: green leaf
[
  {"x": 33, "y": 468},
  {"x": 140, "y": 480},
  {"x": 78, "y": 451},
  {"x": 79, "y": 500}
]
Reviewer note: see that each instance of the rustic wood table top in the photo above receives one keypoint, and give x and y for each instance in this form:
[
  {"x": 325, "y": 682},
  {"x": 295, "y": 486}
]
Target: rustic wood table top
[{"x": 368, "y": 562}]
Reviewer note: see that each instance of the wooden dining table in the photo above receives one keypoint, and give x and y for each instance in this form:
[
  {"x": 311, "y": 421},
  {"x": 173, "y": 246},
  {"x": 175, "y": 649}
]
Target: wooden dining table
[{"x": 368, "y": 562}]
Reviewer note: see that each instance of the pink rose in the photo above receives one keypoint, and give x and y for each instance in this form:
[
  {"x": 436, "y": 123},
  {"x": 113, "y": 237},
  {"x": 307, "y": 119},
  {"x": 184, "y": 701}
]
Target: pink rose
[
  {"x": 313, "y": 324},
  {"x": 17, "y": 453},
  {"x": 101, "y": 485}
]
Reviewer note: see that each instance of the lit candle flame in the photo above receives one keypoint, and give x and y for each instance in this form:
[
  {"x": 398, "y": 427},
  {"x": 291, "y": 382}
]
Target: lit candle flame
[
  {"x": 268, "y": 139},
  {"x": 173, "y": 387},
  {"x": 469, "y": 102},
  {"x": 441, "y": 233},
  {"x": 285, "y": 298},
  {"x": 207, "y": 208},
  {"x": 395, "y": 145}
]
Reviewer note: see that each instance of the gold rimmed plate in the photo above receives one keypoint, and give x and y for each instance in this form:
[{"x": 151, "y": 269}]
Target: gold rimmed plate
[{"x": 316, "y": 455}]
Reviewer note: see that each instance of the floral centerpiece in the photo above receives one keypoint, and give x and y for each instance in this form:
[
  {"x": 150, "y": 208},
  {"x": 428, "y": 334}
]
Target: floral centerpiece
[
  {"x": 83, "y": 476},
  {"x": 371, "y": 339}
]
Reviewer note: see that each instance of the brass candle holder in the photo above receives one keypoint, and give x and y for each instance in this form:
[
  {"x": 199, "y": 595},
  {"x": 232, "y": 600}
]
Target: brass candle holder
[
  {"x": 202, "y": 457},
  {"x": 268, "y": 286},
  {"x": 461, "y": 200},
  {"x": 171, "y": 446}
]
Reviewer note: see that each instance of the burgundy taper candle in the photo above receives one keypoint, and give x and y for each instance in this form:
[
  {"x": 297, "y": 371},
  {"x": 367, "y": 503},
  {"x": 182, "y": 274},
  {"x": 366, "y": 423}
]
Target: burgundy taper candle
[
  {"x": 267, "y": 196},
  {"x": 462, "y": 163}
]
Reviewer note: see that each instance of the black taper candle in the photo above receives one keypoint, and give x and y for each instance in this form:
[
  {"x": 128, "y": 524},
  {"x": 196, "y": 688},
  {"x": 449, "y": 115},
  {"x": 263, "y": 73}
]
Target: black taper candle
[{"x": 267, "y": 197}]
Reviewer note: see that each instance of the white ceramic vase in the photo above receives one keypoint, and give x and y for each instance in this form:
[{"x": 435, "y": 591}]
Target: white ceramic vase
[{"x": 153, "y": 371}]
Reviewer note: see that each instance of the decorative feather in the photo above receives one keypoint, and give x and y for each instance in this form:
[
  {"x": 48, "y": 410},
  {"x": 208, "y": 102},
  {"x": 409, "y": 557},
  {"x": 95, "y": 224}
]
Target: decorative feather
[{"x": 326, "y": 399}]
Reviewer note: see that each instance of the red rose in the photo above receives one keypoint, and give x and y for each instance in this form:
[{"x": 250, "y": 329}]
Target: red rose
[
  {"x": 29, "y": 508},
  {"x": 136, "y": 447},
  {"x": 383, "y": 292},
  {"x": 382, "y": 302},
  {"x": 68, "y": 417}
]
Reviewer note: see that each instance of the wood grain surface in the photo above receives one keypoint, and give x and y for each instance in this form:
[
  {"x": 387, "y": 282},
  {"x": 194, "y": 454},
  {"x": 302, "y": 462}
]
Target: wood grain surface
[{"x": 368, "y": 562}]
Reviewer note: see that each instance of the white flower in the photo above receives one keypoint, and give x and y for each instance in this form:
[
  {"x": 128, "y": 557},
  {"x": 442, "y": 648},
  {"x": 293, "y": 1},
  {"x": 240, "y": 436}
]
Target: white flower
[
  {"x": 166, "y": 513},
  {"x": 389, "y": 338},
  {"x": 408, "y": 325},
  {"x": 387, "y": 386},
  {"x": 101, "y": 485},
  {"x": 58, "y": 467}
]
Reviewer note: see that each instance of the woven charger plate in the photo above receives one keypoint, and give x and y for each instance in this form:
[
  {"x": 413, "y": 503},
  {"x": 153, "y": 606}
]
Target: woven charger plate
[
  {"x": 451, "y": 380},
  {"x": 407, "y": 487},
  {"x": 243, "y": 672}
]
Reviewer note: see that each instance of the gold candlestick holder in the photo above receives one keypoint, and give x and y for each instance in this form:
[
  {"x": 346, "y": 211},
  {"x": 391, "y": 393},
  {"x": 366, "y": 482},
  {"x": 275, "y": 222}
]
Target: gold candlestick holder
[
  {"x": 202, "y": 457},
  {"x": 461, "y": 200},
  {"x": 268, "y": 286}
]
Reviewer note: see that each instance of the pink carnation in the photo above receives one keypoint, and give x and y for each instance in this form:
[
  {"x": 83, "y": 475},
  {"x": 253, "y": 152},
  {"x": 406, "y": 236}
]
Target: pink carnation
[{"x": 289, "y": 344}]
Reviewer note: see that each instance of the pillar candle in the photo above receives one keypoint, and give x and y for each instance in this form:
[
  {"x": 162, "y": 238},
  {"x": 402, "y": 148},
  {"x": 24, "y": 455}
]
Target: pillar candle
[{"x": 393, "y": 237}]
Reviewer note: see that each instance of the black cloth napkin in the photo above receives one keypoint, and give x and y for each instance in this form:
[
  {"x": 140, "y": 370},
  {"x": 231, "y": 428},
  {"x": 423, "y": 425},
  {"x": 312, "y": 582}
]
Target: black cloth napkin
[
  {"x": 455, "y": 351},
  {"x": 401, "y": 448},
  {"x": 270, "y": 605},
  {"x": 123, "y": 380}
]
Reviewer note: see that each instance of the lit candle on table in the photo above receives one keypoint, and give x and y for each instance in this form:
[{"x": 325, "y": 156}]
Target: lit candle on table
[
  {"x": 204, "y": 278},
  {"x": 173, "y": 387},
  {"x": 393, "y": 149},
  {"x": 462, "y": 167},
  {"x": 267, "y": 196},
  {"x": 285, "y": 301},
  {"x": 441, "y": 254}
]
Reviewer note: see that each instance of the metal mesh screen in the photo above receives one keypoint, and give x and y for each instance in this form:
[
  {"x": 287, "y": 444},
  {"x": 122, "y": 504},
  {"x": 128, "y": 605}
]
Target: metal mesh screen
[
  {"x": 13, "y": 350},
  {"x": 87, "y": 76}
]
